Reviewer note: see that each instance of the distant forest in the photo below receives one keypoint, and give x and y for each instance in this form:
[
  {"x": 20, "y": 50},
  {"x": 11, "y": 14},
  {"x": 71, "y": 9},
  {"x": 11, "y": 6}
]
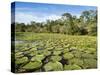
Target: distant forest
[{"x": 85, "y": 24}]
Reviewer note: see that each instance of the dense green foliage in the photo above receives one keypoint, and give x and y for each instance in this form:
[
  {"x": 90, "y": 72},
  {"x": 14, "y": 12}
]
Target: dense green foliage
[
  {"x": 54, "y": 52},
  {"x": 85, "y": 24}
]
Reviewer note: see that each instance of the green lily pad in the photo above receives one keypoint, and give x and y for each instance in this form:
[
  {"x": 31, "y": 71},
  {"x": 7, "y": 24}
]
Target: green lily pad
[
  {"x": 38, "y": 57},
  {"x": 76, "y": 61},
  {"x": 33, "y": 49},
  {"x": 67, "y": 46},
  {"x": 56, "y": 58},
  {"x": 53, "y": 66},
  {"x": 32, "y": 54},
  {"x": 32, "y": 65},
  {"x": 86, "y": 55},
  {"x": 47, "y": 53},
  {"x": 50, "y": 48},
  {"x": 19, "y": 54},
  {"x": 21, "y": 60},
  {"x": 56, "y": 52},
  {"x": 40, "y": 51},
  {"x": 68, "y": 55},
  {"x": 77, "y": 54},
  {"x": 72, "y": 67},
  {"x": 90, "y": 50},
  {"x": 95, "y": 55},
  {"x": 73, "y": 48},
  {"x": 66, "y": 50},
  {"x": 90, "y": 63},
  {"x": 25, "y": 49}
]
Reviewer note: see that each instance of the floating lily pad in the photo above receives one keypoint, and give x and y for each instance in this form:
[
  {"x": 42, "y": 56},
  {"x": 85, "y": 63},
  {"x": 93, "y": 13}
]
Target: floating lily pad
[
  {"x": 19, "y": 54},
  {"x": 68, "y": 55},
  {"x": 67, "y": 46},
  {"x": 32, "y": 65},
  {"x": 73, "y": 48},
  {"x": 90, "y": 50},
  {"x": 38, "y": 57},
  {"x": 77, "y": 54},
  {"x": 53, "y": 66},
  {"x": 50, "y": 48},
  {"x": 21, "y": 60},
  {"x": 90, "y": 63},
  {"x": 95, "y": 55},
  {"x": 72, "y": 67},
  {"x": 56, "y": 52},
  {"x": 32, "y": 54},
  {"x": 76, "y": 61},
  {"x": 56, "y": 58},
  {"x": 47, "y": 53},
  {"x": 65, "y": 50},
  {"x": 33, "y": 49},
  {"x": 86, "y": 55},
  {"x": 40, "y": 51},
  {"x": 25, "y": 49},
  {"x": 26, "y": 52}
]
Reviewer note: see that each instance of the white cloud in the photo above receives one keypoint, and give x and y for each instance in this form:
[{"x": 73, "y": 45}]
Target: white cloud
[
  {"x": 52, "y": 17},
  {"x": 28, "y": 17},
  {"x": 24, "y": 18}
]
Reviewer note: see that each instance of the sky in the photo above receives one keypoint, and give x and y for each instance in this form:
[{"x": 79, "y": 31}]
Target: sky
[{"x": 25, "y": 12}]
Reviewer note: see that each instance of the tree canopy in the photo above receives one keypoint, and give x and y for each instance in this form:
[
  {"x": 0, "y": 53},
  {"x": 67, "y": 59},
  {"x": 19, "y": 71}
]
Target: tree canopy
[{"x": 85, "y": 24}]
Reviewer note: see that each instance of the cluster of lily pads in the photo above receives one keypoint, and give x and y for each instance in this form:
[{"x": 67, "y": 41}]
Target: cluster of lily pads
[{"x": 56, "y": 53}]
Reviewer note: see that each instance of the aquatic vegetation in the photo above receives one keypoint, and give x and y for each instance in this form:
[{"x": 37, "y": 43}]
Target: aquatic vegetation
[
  {"x": 76, "y": 61},
  {"x": 53, "y": 66},
  {"x": 32, "y": 65},
  {"x": 72, "y": 67},
  {"x": 38, "y": 57},
  {"x": 90, "y": 63},
  {"x": 21, "y": 60},
  {"x": 68, "y": 56},
  {"x": 54, "y": 52},
  {"x": 56, "y": 58}
]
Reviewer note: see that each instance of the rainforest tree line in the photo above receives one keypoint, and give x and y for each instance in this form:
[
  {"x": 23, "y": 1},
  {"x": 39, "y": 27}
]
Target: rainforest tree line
[{"x": 85, "y": 24}]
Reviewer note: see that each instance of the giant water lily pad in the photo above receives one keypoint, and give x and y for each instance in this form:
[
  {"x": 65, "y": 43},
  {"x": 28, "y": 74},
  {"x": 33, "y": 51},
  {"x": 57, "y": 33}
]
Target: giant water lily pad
[
  {"x": 47, "y": 53},
  {"x": 40, "y": 51},
  {"x": 33, "y": 53},
  {"x": 95, "y": 55},
  {"x": 56, "y": 52},
  {"x": 53, "y": 66},
  {"x": 25, "y": 49},
  {"x": 18, "y": 54},
  {"x": 86, "y": 55},
  {"x": 72, "y": 67},
  {"x": 38, "y": 57},
  {"x": 32, "y": 65},
  {"x": 68, "y": 55},
  {"x": 33, "y": 49},
  {"x": 77, "y": 54},
  {"x": 56, "y": 58},
  {"x": 90, "y": 63},
  {"x": 49, "y": 48},
  {"x": 67, "y": 46},
  {"x": 90, "y": 50},
  {"x": 21, "y": 60},
  {"x": 65, "y": 50},
  {"x": 73, "y": 48},
  {"x": 76, "y": 61}
]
